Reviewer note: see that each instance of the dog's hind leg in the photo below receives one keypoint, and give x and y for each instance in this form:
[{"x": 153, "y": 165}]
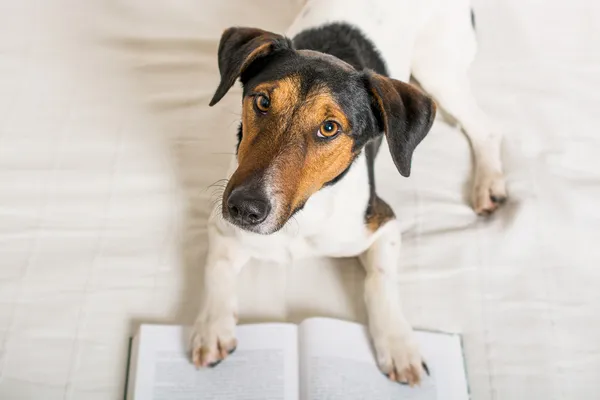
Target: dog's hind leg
[
  {"x": 443, "y": 54},
  {"x": 398, "y": 355}
]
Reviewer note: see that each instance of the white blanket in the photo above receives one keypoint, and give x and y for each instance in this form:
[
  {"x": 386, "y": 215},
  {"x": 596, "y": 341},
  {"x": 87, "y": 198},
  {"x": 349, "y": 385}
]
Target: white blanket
[{"x": 108, "y": 146}]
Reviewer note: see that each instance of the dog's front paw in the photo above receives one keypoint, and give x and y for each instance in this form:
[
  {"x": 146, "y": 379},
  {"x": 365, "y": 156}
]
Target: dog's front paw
[
  {"x": 489, "y": 191},
  {"x": 213, "y": 338},
  {"x": 399, "y": 358}
]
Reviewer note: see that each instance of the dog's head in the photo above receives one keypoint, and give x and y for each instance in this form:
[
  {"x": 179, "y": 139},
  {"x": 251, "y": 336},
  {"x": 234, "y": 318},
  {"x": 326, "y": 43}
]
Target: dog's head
[{"x": 305, "y": 117}]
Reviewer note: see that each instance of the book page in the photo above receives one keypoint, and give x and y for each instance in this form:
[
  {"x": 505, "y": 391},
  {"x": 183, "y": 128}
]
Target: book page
[
  {"x": 337, "y": 362},
  {"x": 264, "y": 366}
]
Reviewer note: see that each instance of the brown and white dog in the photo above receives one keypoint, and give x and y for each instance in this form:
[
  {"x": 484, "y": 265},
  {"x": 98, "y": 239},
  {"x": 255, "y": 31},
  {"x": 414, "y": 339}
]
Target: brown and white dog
[{"x": 316, "y": 105}]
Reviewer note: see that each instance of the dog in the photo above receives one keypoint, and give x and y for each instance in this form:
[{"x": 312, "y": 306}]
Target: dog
[{"x": 317, "y": 103}]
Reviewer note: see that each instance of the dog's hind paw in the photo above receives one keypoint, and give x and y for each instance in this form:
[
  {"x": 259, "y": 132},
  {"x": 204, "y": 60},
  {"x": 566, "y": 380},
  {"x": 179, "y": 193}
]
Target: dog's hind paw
[
  {"x": 489, "y": 192},
  {"x": 213, "y": 339}
]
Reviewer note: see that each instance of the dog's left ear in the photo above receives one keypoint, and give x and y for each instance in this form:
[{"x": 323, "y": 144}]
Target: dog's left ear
[
  {"x": 240, "y": 47},
  {"x": 404, "y": 113}
]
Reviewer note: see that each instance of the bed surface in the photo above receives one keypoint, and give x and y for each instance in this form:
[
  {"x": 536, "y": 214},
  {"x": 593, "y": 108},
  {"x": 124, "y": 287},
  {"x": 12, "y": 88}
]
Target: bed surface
[{"x": 107, "y": 149}]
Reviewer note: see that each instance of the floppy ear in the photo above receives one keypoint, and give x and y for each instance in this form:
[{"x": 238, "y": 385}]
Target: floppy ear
[
  {"x": 238, "y": 48},
  {"x": 404, "y": 113}
]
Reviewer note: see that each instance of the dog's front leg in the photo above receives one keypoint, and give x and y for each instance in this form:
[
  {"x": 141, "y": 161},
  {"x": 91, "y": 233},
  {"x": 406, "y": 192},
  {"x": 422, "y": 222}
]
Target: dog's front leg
[
  {"x": 213, "y": 336},
  {"x": 398, "y": 355}
]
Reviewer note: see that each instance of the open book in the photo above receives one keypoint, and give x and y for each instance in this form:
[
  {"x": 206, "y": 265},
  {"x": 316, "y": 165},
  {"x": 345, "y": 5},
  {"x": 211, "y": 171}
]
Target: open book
[{"x": 319, "y": 359}]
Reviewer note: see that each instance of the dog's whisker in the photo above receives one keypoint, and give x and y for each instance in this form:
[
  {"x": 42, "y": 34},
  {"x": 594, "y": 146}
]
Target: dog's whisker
[
  {"x": 218, "y": 190},
  {"x": 218, "y": 186},
  {"x": 216, "y": 203},
  {"x": 218, "y": 183}
]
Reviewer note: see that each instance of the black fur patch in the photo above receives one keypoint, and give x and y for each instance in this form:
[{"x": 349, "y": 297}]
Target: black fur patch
[
  {"x": 371, "y": 150},
  {"x": 344, "y": 42},
  {"x": 240, "y": 133}
]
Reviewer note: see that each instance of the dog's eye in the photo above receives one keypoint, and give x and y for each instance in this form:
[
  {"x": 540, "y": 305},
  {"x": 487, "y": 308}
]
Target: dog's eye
[
  {"x": 328, "y": 129},
  {"x": 262, "y": 103}
]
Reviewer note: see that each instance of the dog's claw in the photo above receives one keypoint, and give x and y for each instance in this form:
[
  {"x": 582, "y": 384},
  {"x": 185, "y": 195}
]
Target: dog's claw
[
  {"x": 425, "y": 368},
  {"x": 485, "y": 213},
  {"x": 498, "y": 199}
]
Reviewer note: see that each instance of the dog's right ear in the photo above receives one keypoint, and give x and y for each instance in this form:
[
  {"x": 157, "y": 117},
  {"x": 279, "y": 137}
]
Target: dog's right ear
[
  {"x": 404, "y": 113},
  {"x": 240, "y": 47}
]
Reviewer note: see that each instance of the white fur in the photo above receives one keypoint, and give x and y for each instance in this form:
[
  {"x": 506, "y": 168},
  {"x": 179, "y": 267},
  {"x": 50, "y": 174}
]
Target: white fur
[{"x": 433, "y": 40}]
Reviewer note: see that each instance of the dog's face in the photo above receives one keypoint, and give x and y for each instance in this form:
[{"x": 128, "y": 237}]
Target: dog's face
[{"x": 305, "y": 118}]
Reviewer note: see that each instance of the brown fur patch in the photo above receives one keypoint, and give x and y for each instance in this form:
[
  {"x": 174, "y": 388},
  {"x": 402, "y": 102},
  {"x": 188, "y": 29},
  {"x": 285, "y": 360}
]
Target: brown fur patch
[
  {"x": 283, "y": 95},
  {"x": 378, "y": 213},
  {"x": 283, "y": 143},
  {"x": 321, "y": 166}
]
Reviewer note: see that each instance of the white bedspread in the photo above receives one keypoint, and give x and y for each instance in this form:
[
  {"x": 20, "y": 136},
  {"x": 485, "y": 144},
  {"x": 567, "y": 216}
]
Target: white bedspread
[{"x": 107, "y": 149}]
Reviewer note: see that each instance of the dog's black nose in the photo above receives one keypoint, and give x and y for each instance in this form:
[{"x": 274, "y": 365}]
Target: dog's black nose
[{"x": 247, "y": 207}]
